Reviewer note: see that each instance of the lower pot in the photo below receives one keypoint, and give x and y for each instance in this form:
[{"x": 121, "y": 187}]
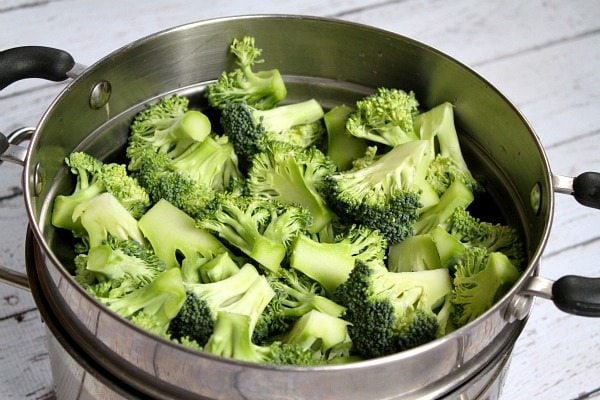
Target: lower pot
[{"x": 86, "y": 372}]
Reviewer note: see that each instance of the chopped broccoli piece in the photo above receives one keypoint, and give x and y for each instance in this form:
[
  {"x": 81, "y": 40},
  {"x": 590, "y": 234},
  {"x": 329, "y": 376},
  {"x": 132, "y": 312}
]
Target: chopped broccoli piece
[
  {"x": 295, "y": 295},
  {"x": 159, "y": 301},
  {"x": 438, "y": 126},
  {"x": 480, "y": 279},
  {"x": 174, "y": 236},
  {"x": 319, "y": 332},
  {"x": 261, "y": 229},
  {"x": 222, "y": 266},
  {"x": 492, "y": 236},
  {"x": 292, "y": 176},
  {"x": 103, "y": 216},
  {"x": 204, "y": 301},
  {"x": 211, "y": 163},
  {"x": 342, "y": 147},
  {"x": 458, "y": 196},
  {"x": 367, "y": 244},
  {"x": 391, "y": 311},
  {"x": 163, "y": 183},
  {"x": 388, "y": 194},
  {"x": 369, "y": 157},
  {"x": 415, "y": 253},
  {"x": 168, "y": 127},
  {"x": 93, "y": 178},
  {"x": 248, "y": 128},
  {"x": 385, "y": 117},
  {"x": 260, "y": 89}
]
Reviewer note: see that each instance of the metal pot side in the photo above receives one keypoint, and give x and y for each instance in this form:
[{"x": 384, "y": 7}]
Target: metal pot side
[{"x": 332, "y": 61}]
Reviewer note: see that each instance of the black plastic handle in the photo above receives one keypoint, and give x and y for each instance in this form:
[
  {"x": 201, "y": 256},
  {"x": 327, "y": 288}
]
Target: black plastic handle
[
  {"x": 3, "y": 144},
  {"x": 34, "y": 62},
  {"x": 577, "y": 295},
  {"x": 586, "y": 189}
]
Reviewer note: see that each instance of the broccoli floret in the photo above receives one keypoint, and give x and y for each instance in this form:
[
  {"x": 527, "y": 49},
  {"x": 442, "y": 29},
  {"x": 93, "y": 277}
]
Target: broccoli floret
[
  {"x": 437, "y": 125},
  {"x": 216, "y": 269},
  {"x": 204, "y": 301},
  {"x": 175, "y": 237},
  {"x": 93, "y": 178},
  {"x": 458, "y": 196},
  {"x": 261, "y": 229},
  {"x": 481, "y": 278},
  {"x": 168, "y": 127},
  {"x": 295, "y": 295},
  {"x": 415, "y": 253},
  {"x": 369, "y": 157},
  {"x": 492, "y": 236},
  {"x": 342, "y": 147},
  {"x": 260, "y": 89},
  {"x": 103, "y": 216},
  {"x": 118, "y": 259},
  {"x": 367, "y": 244},
  {"x": 292, "y": 176},
  {"x": 388, "y": 194},
  {"x": 319, "y": 332},
  {"x": 391, "y": 311},
  {"x": 248, "y": 128},
  {"x": 159, "y": 301},
  {"x": 163, "y": 183},
  {"x": 211, "y": 163},
  {"x": 385, "y": 117}
]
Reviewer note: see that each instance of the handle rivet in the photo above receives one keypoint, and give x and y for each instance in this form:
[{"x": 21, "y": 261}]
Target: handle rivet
[
  {"x": 37, "y": 181},
  {"x": 100, "y": 94}
]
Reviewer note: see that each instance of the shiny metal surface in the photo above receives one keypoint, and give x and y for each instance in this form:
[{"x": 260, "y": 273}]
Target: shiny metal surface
[
  {"x": 563, "y": 184},
  {"x": 324, "y": 65}
]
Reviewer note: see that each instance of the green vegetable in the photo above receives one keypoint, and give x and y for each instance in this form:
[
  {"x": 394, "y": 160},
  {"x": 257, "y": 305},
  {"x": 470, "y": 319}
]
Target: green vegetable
[{"x": 260, "y": 89}]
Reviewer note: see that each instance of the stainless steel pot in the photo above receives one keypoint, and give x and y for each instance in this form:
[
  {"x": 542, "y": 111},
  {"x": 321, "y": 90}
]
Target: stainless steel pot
[{"x": 336, "y": 62}]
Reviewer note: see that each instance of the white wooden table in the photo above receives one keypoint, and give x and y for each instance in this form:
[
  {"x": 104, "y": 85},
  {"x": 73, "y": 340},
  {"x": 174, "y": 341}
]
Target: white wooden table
[{"x": 544, "y": 55}]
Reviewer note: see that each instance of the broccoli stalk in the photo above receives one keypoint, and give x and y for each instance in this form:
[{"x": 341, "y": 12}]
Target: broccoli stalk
[
  {"x": 391, "y": 311},
  {"x": 248, "y": 127},
  {"x": 415, "y": 253},
  {"x": 284, "y": 173},
  {"x": 342, "y": 147},
  {"x": 260, "y": 89},
  {"x": 385, "y": 117},
  {"x": 203, "y": 271},
  {"x": 173, "y": 235}
]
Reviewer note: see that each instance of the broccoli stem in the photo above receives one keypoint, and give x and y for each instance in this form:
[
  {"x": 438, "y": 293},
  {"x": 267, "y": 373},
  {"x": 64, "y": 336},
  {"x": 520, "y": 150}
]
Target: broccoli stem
[
  {"x": 283, "y": 117},
  {"x": 342, "y": 147}
]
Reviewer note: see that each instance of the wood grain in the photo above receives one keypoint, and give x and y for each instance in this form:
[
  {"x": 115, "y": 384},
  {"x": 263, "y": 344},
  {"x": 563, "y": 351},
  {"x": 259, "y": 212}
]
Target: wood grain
[{"x": 543, "y": 55}]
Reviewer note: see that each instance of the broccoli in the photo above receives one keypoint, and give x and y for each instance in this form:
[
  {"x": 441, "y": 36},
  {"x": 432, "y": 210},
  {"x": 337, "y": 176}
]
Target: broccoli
[
  {"x": 480, "y": 279},
  {"x": 163, "y": 183},
  {"x": 415, "y": 253},
  {"x": 391, "y": 311},
  {"x": 319, "y": 332},
  {"x": 369, "y": 157},
  {"x": 220, "y": 267},
  {"x": 93, "y": 178},
  {"x": 204, "y": 301},
  {"x": 103, "y": 216},
  {"x": 168, "y": 127},
  {"x": 385, "y": 117},
  {"x": 457, "y": 196},
  {"x": 437, "y": 125},
  {"x": 175, "y": 237},
  {"x": 261, "y": 89},
  {"x": 154, "y": 305},
  {"x": 261, "y": 229},
  {"x": 248, "y": 128},
  {"x": 292, "y": 176},
  {"x": 367, "y": 244},
  {"x": 211, "y": 163},
  {"x": 386, "y": 195},
  {"x": 492, "y": 236},
  {"x": 295, "y": 295},
  {"x": 342, "y": 147}
]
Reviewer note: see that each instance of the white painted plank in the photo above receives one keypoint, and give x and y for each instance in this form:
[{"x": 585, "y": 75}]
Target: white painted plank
[{"x": 25, "y": 372}]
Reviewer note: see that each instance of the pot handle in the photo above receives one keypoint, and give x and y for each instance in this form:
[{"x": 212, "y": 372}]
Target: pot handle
[
  {"x": 573, "y": 294},
  {"x": 34, "y": 62}
]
